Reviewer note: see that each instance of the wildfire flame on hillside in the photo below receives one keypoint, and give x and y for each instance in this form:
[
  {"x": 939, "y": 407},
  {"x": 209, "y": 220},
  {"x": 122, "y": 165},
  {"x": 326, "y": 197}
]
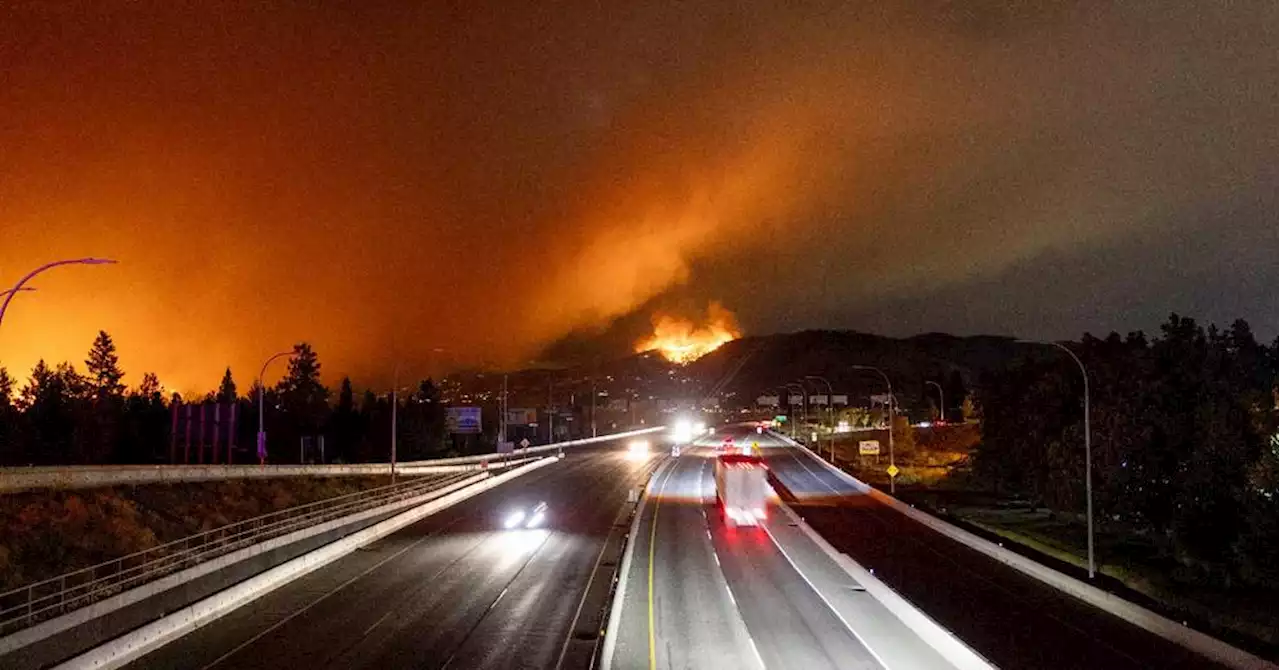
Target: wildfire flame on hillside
[{"x": 680, "y": 340}]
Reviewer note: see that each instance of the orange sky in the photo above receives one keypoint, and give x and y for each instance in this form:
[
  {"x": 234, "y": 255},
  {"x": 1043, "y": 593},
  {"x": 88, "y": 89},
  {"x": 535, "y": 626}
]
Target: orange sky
[{"x": 386, "y": 181}]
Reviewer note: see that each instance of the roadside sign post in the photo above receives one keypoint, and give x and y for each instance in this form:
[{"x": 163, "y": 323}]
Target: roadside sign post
[{"x": 869, "y": 448}]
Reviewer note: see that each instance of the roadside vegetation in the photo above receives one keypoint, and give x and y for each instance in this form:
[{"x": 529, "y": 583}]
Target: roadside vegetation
[
  {"x": 46, "y": 533},
  {"x": 1184, "y": 469}
]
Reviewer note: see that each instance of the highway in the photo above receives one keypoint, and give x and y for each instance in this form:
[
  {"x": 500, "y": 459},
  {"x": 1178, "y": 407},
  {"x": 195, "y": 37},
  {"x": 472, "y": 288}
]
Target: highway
[
  {"x": 453, "y": 590},
  {"x": 698, "y": 594},
  {"x": 1006, "y": 616}
]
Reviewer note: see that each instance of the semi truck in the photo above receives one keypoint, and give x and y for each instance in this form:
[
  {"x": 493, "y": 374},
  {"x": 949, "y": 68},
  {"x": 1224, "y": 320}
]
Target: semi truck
[{"x": 742, "y": 489}]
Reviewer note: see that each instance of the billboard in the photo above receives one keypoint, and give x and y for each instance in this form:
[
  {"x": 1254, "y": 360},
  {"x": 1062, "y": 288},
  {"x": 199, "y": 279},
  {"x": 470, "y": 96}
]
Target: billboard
[
  {"x": 522, "y": 416},
  {"x": 869, "y": 447},
  {"x": 463, "y": 419}
]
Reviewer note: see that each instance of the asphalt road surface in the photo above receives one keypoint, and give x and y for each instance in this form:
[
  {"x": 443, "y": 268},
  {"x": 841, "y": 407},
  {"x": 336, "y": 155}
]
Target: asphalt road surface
[
  {"x": 1006, "y": 616},
  {"x": 453, "y": 590},
  {"x": 699, "y": 594}
]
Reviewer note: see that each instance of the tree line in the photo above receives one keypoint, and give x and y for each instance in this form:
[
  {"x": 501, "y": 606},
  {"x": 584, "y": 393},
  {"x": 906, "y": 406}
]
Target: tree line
[
  {"x": 63, "y": 416},
  {"x": 1183, "y": 431}
]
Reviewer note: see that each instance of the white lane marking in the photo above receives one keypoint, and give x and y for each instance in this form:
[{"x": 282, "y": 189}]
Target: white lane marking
[
  {"x": 702, "y": 472},
  {"x": 375, "y": 624},
  {"x": 620, "y": 591},
  {"x": 792, "y": 454},
  {"x": 754, "y": 650},
  {"x": 347, "y": 583},
  {"x": 564, "y": 648},
  {"x": 822, "y": 597}
]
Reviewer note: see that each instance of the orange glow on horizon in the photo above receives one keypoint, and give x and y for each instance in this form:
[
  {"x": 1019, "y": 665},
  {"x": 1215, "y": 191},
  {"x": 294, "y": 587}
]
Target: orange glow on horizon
[{"x": 680, "y": 340}]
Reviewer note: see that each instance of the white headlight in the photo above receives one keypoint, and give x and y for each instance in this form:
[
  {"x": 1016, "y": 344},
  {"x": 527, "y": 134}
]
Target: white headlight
[{"x": 514, "y": 519}]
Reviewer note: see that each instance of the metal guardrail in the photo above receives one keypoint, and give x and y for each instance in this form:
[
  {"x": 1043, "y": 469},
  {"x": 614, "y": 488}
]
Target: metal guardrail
[
  {"x": 82, "y": 476},
  {"x": 30, "y": 604}
]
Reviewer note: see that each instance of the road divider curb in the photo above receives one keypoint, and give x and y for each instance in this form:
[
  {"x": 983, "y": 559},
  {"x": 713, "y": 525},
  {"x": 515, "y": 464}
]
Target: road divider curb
[
  {"x": 1189, "y": 638},
  {"x": 624, "y": 570},
  {"x": 135, "y": 644},
  {"x": 950, "y": 647}
]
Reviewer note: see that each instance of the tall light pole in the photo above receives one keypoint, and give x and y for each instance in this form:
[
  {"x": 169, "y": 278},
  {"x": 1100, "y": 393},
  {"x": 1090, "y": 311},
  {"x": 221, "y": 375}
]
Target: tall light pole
[
  {"x": 262, "y": 433},
  {"x": 18, "y": 287},
  {"x": 395, "y": 404},
  {"x": 831, "y": 437},
  {"x": 785, "y": 393},
  {"x": 942, "y": 401},
  {"x": 1088, "y": 452},
  {"x": 892, "y": 487},
  {"x": 804, "y": 403}
]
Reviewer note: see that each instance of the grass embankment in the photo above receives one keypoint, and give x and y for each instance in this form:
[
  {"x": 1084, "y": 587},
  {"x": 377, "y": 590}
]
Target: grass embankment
[
  {"x": 935, "y": 476},
  {"x": 46, "y": 533}
]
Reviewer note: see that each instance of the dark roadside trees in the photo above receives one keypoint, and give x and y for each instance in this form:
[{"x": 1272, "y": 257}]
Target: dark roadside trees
[
  {"x": 422, "y": 424},
  {"x": 105, "y": 387},
  {"x": 1183, "y": 441},
  {"x": 304, "y": 401},
  {"x": 10, "y": 416}
]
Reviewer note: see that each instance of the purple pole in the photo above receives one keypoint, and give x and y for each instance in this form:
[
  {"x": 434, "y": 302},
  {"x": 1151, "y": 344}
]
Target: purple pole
[
  {"x": 186, "y": 447},
  {"x": 217, "y": 420},
  {"x": 231, "y": 430}
]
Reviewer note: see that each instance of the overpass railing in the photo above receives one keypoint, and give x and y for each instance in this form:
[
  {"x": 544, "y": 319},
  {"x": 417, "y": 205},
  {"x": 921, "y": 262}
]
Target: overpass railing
[
  {"x": 14, "y": 479},
  {"x": 30, "y": 604}
]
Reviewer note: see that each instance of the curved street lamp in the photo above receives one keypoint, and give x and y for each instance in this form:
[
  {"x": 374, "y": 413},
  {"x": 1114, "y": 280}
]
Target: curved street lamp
[
  {"x": 1088, "y": 452},
  {"x": 942, "y": 400},
  {"x": 73, "y": 261},
  {"x": 804, "y": 403},
  {"x": 889, "y": 384},
  {"x": 262, "y": 434},
  {"x": 831, "y": 437}
]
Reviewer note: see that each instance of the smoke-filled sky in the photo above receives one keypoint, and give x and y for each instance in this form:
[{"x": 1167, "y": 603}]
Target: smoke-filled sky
[{"x": 385, "y": 179}]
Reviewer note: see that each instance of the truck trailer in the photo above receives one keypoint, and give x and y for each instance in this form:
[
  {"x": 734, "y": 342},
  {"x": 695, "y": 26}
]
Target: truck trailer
[{"x": 742, "y": 489}]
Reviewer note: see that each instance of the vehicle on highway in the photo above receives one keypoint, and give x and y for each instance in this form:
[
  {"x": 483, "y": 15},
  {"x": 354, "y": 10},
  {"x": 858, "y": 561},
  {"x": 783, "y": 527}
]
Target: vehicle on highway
[
  {"x": 638, "y": 449},
  {"x": 742, "y": 489},
  {"x": 675, "y": 451},
  {"x": 526, "y": 518}
]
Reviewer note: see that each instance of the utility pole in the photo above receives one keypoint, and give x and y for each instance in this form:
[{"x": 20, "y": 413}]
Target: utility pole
[
  {"x": 502, "y": 411},
  {"x": 395, "y": 404},
  {"x": 551, "y": 411},
  {"x": 593, "y": 403}
]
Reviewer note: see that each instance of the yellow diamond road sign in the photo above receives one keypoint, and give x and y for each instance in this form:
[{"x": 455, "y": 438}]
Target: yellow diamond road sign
[{"x": 893, "y": 471}]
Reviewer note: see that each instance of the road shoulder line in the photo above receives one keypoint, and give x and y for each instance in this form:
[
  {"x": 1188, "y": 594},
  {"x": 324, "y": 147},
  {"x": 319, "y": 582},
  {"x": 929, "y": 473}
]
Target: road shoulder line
[
  {"x": 624, "y": 571},
  {"x": 137, "y": 643},
  {"x": 947, "y": 645},
  {"x": 1205, "y": 645}
]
